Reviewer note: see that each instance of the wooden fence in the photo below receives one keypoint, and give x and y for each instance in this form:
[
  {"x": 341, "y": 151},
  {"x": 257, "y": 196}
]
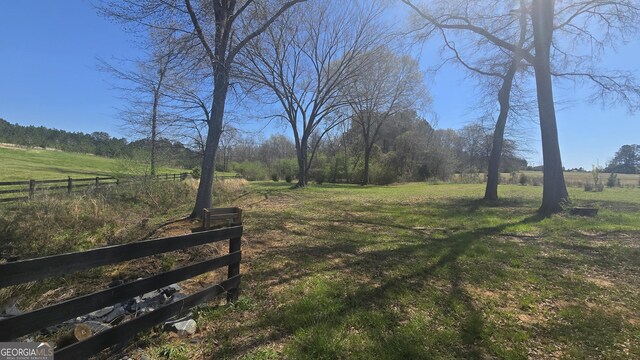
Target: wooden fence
[
  {"x": 23, "y": 271},
  {"x": 28, "y": 189}
]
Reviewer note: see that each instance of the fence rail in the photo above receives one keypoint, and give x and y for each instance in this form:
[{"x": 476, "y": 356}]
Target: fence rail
[
  {"x": 30, "y": 187},
  {"x": 23, "y": 271}
]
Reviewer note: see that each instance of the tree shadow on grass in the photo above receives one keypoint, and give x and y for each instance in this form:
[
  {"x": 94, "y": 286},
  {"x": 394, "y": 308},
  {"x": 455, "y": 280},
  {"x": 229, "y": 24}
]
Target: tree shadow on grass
[
  {"x": 459, "y": 206},
  {"x": 325, "y": 311}
]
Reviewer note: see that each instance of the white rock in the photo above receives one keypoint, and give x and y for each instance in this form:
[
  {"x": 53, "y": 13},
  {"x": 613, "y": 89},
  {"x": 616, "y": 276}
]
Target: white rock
[{"x": 185, "y": 328}]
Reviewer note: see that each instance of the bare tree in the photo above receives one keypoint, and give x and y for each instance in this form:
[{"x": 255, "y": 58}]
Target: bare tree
[
  {"x": 388, "y": 85},
  {"x": 144, "y": 86},
  {"x": 497, "y": 69},
  {"x": 301, "y": 63},
  {"x": 573, "y": 22},
  {"x": 228, "y": 140},
  {"x": 222, "y": 28}
]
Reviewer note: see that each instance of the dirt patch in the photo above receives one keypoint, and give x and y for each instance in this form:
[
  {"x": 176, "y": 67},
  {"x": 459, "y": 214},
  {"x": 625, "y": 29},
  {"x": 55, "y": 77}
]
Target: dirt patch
[{"x": 601, "y": 282}]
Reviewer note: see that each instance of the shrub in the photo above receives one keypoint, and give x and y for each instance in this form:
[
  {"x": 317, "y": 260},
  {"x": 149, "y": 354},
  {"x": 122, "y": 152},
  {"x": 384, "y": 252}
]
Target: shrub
[
  {"x": 588, "y": 186},
  {"x": 513, "y": 179},
  {"x": 383, "y": 175},
  {"x": 471, "y": 176},
  {"x": 195, "y": 172},
  {"x": 288, "y": 178},
  {"x": 597, "y": 182},
  {"x": 613, "y": 181},
  {"x": 536, "y": 181},
  {"x": 252, "y": 170},
  {"x": 524, "y": 179},
  {"x": 275, "y": 177}
]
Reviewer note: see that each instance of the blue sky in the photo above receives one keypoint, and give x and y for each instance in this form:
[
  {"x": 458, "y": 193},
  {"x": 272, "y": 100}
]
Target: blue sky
[{"x": 48, "y": 76}]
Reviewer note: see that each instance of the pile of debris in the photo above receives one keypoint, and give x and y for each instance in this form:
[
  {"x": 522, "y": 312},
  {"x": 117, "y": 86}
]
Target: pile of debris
[{"x": 85, "y": 326}]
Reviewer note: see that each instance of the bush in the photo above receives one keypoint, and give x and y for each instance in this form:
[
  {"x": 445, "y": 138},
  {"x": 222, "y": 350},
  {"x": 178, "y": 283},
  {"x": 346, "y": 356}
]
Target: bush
[
  {"x": 471, "y": 176},
  {"x": 524, "y": 179},
  {"x": 588, "y": 186},
  {"x": 613, "y": 181},
  {"x": 383, "y": 175},
  {"x": 597, "y": 182},
  {"x": 288, "y": 178},
  {"x": 513, "y": 179},
  {"x": 195, "y": 172},
  {"x": 536, "y": 181},
  {"x": 275, "y": 177},
  {"x": 252, "y": 170}
]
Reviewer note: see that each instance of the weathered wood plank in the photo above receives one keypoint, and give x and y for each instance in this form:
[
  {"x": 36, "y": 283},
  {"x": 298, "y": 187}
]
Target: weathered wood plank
[
  {"x": 35, "y": 269},
  {"x": 17, "y": 326},
  {"x": 215, "y": 214},
  {"x": 53, "y": 181},
  {"x": 15, "y": 191},
  {"x": 6, "y": 183},
  {"x": 14, "y": 199},
  {"x": 222, "y": 210},
  {"x": 234, "y": 268},
  {"x": 82, "y": 179},
  {"x": 123, "y": 333}
]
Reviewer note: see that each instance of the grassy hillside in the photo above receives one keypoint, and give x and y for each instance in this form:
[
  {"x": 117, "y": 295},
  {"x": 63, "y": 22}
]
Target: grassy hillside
[{"x": 23, "y": 164}]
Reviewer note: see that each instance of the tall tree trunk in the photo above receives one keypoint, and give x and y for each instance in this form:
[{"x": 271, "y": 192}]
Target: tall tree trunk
[
  {"x": 154, "y": 130},
  {"x": 347, "y": 177},
  {"x": 504, "y": 96},
  {"x": 554, "y": 188},
  {"x": 205, "y": 189},
  {"x": 226, "y": 159},
  {"x": 367, "y": 157},
  {"x": 368, "y": 145},
  {"x": 301, "y": 152}
]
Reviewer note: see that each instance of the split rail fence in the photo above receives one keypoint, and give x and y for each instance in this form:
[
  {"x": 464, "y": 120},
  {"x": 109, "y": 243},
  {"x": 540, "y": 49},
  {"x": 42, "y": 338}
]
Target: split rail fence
[{"x": 28, "y": 188}]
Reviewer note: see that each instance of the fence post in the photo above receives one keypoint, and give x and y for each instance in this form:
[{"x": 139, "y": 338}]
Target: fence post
[
  {"x": 69, "y": 185},
  {"x": 234, "y": 269},
  {"x": 174, "y": 177},
  {"x": 32, "y": 188},
  {"x": 97, "y": 181}
]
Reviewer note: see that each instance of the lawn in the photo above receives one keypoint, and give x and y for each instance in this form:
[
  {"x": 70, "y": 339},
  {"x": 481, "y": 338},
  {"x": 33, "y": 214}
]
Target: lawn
[
  {"x": 23, "y": 164},
  {"x": 423, "y": 271}
]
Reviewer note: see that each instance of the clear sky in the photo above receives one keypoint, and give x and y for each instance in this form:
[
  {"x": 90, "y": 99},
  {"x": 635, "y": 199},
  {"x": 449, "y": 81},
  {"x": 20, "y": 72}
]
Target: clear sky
[{"x": 48, "y": 76}]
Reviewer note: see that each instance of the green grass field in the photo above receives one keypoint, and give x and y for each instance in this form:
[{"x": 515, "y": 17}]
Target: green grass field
[
  {"x": 412, "y": 271},
  {"x": 578, "y": 179},
  {"x": 39, "y": 164},
  {"x": 422, "y": 271}
]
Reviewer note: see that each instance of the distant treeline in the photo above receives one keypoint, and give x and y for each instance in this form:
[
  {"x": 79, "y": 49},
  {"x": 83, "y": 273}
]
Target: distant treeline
[{"x": 173, "y": 154}]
